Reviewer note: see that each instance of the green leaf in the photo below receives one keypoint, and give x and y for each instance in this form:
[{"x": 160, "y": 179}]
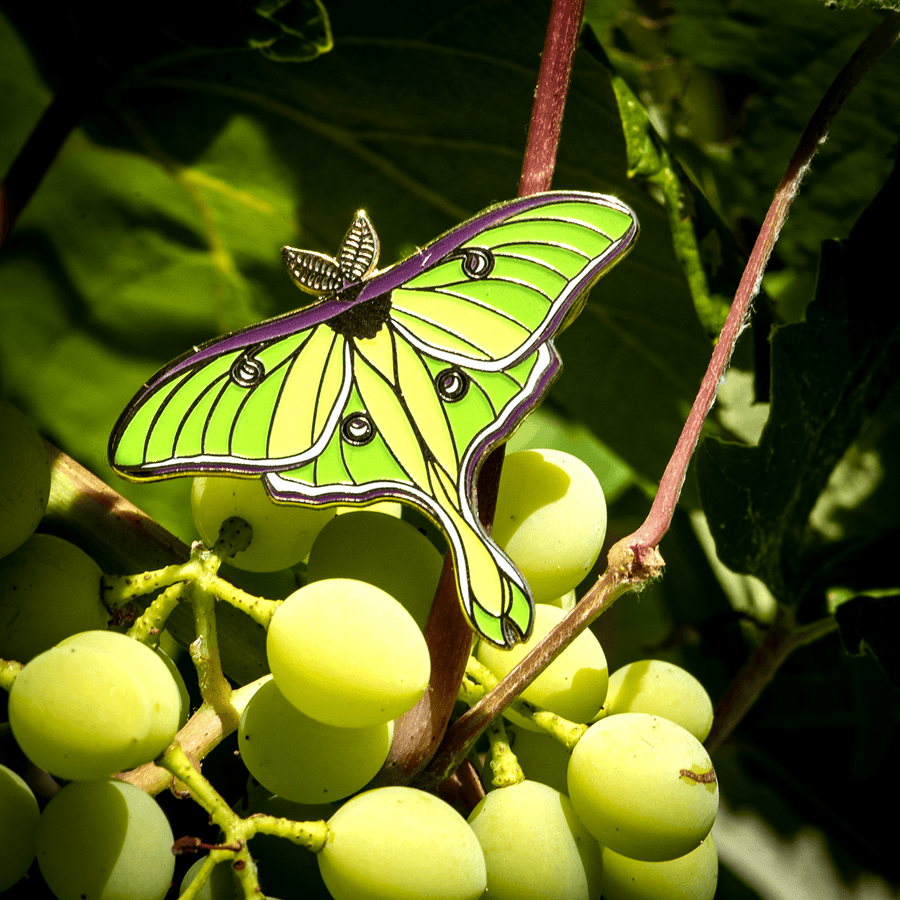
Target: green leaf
[
  {"x": 829, "y": 375},
  {"x": 775, "y": 60},
  {"x": 704, "y": 247}
]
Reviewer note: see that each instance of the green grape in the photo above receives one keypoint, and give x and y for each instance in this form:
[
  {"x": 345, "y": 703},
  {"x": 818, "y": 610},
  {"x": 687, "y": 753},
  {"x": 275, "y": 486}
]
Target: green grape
[
  {"x": 535, "y": 848},
  {"x": 105, "y": 840},
  {"x": 24, "y": 478},
  {"x": 550, "y": 519},
  {"x": 219, "y": 886},
  {"x": 690, "y": 877},
  {"x": 643, "y": 786},
  {"x": 572, "y": 686},
  {"x": 282, "y": 533},
  {"x": 661, "y": 689},
  {"x": 302, "y": 759},
  {"x": 542, "y": 757},
  {"x": 159, "y": 683},
  {"x": 184, "y": 698},
  {"x": 49, "y": 589},
  {"x": 399, "y": 843},
  {"x": 287, "y": 869},
  {"x": 346, "y": 653},
  {"x": 97, "y": 704},
  {"x": 380, "y": 550},
  {"x": 18, "y": 827}
]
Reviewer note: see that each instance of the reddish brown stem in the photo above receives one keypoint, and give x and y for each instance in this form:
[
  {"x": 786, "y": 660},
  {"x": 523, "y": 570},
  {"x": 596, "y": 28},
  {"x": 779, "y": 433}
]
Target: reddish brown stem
[{"x": 550, "y": 98}]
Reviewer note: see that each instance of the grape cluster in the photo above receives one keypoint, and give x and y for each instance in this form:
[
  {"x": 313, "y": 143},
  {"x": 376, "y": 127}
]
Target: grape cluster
[{"x": 606, "y": 789}]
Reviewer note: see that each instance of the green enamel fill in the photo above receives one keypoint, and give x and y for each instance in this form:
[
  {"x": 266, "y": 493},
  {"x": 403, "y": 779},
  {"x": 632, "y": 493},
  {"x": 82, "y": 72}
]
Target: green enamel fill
[
  {"x": 218, "y": 433},
  {"x": 272, "y": 355},
  {"x": 448, "y": 272},
  {"x": 564, "y": 260},
  {"x": 190, "y": 438},
  {"x": 130, "y": 449},
  {"x": 493, "y": 333},
  {"x": 525, "y": 306},
  {"x": 394, "y": 453},
  {"x": 374, "y": 462},
  {"x": 520, "y": 609},
  {"x": 520, "y": 373},
  {"x": 487, "y": 625},
  {"x": 250, "y": 438},
  {"x": 161, "y": 439},
  {"x": 557, "y": 233},
  {"x": 437, "y": 336},
  {"x": 469, "y": 416},
  {"x": 610, "y": 221},
  {"x": 305, "y": 475},
  {"x": 488, "y": 393},
  {"x": 501, "y": 387},
  {"x": 536, "y": 275},
  {"x": 425, "y": 406},
  {"x": 329, "y": 465}
]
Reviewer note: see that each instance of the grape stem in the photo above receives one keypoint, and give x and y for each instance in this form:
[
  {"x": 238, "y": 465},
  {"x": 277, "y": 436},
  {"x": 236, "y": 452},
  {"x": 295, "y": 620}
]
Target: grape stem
[
  {"x": 9, "y": 669},
  {"x": 202, "y": 733},
  {"x": 236, "y": 831},
  {"x": 505, "y": 768}
]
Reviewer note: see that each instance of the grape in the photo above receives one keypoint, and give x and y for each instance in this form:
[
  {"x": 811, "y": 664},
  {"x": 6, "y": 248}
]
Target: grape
[
  {"x": 18, "y": 827},
  {"x": 572, "y": 686},
  {"x": 542, "y": 757},
  {"x": 399, "y": 843},
  {"x": 24, "y": 478},
  {"x": 643, "y": 786},
  {"x": 49, "y": 589},
  {"x": 661, "y": 689},
  {"x": 380, "y": 550},
  {"x": 550, "y": 519},
  {"x": 105, "y": 840},
  {"x": 96, "y": 704},
  {"x": 690, "y": 877},
  {"x": 282, "y": 533},
  {"x": 219, "y": 886},
  {"x": 158, "y": 681},
  {"x": 184, "y": 698},
  {"x": 346, "y": 653},
  {"x": 535, "y": 848},
  {"x": 302, "y": 759}
]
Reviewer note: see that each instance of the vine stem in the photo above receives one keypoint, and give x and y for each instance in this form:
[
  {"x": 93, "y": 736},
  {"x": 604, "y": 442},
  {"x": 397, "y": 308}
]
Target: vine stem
[
  {"x": 780, "y": 640},
  {"x": 419, "y": 732},
  {"x": 635, "y": 559}
]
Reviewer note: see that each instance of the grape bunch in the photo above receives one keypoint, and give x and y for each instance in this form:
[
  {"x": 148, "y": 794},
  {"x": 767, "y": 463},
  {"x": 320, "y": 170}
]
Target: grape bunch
[{"x": 598, "y": 783}]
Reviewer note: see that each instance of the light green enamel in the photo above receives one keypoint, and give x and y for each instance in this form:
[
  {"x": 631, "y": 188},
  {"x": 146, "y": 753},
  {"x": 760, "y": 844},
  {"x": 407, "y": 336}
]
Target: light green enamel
[
  {"x": 565, "y": 234},
  {"x": 254, "y": 421},
  {"x": 426, "y": 408},
  {"x": 436, "y": 336},
  {"x": 190, "y": 438},
  {"x": 495, "y": 335},
  {"x": 391, "y": 421},
  {"x": 544, "y": 221}
]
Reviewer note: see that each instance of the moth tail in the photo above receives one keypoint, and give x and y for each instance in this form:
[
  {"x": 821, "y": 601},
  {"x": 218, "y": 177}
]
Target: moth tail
[{"x": 495, "y": 597}]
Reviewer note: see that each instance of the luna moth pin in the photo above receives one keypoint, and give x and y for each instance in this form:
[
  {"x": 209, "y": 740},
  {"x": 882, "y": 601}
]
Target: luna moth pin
[{"x": 395, "y": 384}]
